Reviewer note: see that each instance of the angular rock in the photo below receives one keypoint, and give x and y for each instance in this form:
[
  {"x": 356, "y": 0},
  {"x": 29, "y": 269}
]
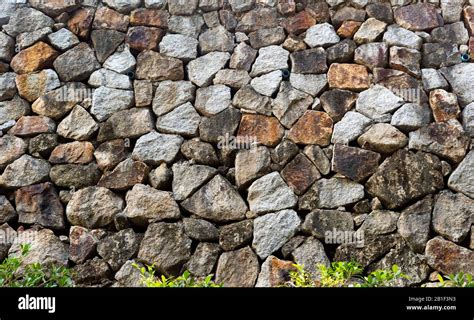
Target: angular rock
[
  {"x": 122, "y": 61},
  {"x": 108, "y": 101},
  {"x": 204, "y": 259},
  {"x": 309, "y": 61},
  {"x": 189, "y": 26},
  {"x": 25, "y": 171},
  {"x": 267, "y": 37},
  {"x": 348, "y": 29},
  {"x": 436, "y": 55},
  {"x": 461, "y": 179},
  {"x": 418, "y": 17},
  {"x": 76, "y": 64},
  {"x": 243, "y": 57},
  {"x": 95, "y": 272},
  {"x": 170, "y": 94},
  {"x": 411, "y": 116},
  {"x": 354, "y": 163},
  {"x": 212, "y": 100},
  {"x": 93, "y": 207},
  {"x": 269, "y": 59},
  {"x": 218, "y": 128},
  {"x": 183, "y": 120},
  {"x": 460, "y": 76},
  {"x": 202, "y": 70},
  {"x": 251, "y": 164},
  {"x": 166, "y": 246},
  {"x": 321, "y": 35},
  {"x": 155, "y": 148},
  {"x": 144, "y": 38},
  {"x": 39, "y": 56},
  {"x": 319, "y": 158},
  {"x": 26, "y": 20},
  {"x": 179, "y": 46},
  {"x": 74, "y": 152},
  {"x": 157, "y": 67},
  {"x": 299, "y": 23},
  {"x": 348, "y": 76},
  {"x": 249, "y": 100},
  {"x": 311, "y": 84},
  {"x": 337, "y": 102},
  {"x": 110, "y": 79},
  {"x": 236, "y": 235},
  {"x": 414, "y": 224},
  {"x": 235, "y": 79},
  {"x": 200, "y": 230},
  {"x": 199, "y": 152},
  {"x": 432, "y": 79},
  {"x": 372, "y": 55},
  {"x": 238, "y": 268},
  {"x": 270, "y": 193},
  {"x": 7, "y": 214},
  {"x": 131, "y": 123},
  {"x": 63, "y": 39},
  {"x": 448, "y": 258},
  {"x": 7, "y": 86},
  {"x": 80, "y": 21},
  {"x": 74, "y": 175},
  {"x": 404, "y": 177},
  {"x": 125, "y": 175},
  {"x": 83, "y": 243},
  {"x": 451, "y": 33},
  {"x": 117, "y": 248},
  {"x": 350, "y": 127},
  {"x": 406, "y": 60},
  {"x": 43, "y": 144},
  {"x": 78, "y": 125},
  {"x": 11, "y": 148},
  {"x": 398, "y": 36},
  {"x": 261, "y": 129},
  {"x": 320, "y": 223},
  {"x": 106, "y": 42},
  {"x": 31, "y": 86},
  {"x": 377, "y": 102},
  {"x": 380, "y": 222},
  {"x": 106, "y": 18},
  {"x": 189, "y": 178},
  {"x": 314, "y": 127},
  {"x": 149, "y": 17},
  {"x": 216, "y": 39},
  {"x": 300, "y": 174},
  {"x": 444, "y": 105},
  {"x": 310, "y": 254},
  {"x": 267, "y": 84}
]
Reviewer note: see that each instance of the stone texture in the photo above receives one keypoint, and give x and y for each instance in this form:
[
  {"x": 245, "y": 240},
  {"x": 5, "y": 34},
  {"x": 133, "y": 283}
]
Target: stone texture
[
  {"x": 318, "y": 223},
  {"x": 314, "y": 127},
  {"x": 238, "y": 268},
  {"x": 383, "y": 138},
  {"x": 105, "y": 42},
  {"x": 78, "y": 125},
  {"x": 274, "y": 272},
  {"x": 25, "y": 171},
  {"x": 236, "y": 235},
  {"x": 354, "y": 163},
  {"x": 251, "y": 164},
  {"x": 369, "y": 31},
  {"x": 309, "y": 61},
  {"x": 461, "y": 179},
  {"x": 411, "y": 116},
  {"x": 31, "y": 86},
  {"x": 157, "y": 67},
  {"x": 125, "y": 175},
  {"x": 188, "y": 178},
  {"x": 183, "y": 120},
  {"x": 348, "y": 76},
  {"x": 11, "y": 148},
  {"x": 131, "y": 123},
  {"x": 76, "y": 64},
  {"x": 200, "y": 230},
  {"x": 418, "y": 17},
  {"x": 269, "y": 59},
  {"x": 310, "y": 254},
  {"x": 265, "y": 130},
  {"x": 37, "y": 57},
  {"x": 377, "y": 102},
  {"x": 179, "y": 46},
  {"x": 447, "y": 257},
  {"x": 116, "y": 249},
  {"x": 321, "y": 35}
]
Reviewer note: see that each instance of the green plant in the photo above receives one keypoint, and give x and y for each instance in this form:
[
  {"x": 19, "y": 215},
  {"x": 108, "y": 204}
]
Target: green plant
[
  {"x": 382, "y": 278},
  {"x": 338, "y": 274},
  {"x": 300, "y": 278},
  {"x": 32, "y": 275},
  {"x": 186, "y": 280},
  {"x": 460, "y": 279}
]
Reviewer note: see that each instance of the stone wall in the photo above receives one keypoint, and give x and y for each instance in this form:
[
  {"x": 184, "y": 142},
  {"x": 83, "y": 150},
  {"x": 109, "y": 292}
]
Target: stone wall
[{"x": 236, "y": 137}]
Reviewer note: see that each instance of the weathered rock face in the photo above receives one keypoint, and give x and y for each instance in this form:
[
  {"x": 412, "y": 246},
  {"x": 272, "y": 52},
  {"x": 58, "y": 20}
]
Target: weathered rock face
[{"x": 232, "y": 134}]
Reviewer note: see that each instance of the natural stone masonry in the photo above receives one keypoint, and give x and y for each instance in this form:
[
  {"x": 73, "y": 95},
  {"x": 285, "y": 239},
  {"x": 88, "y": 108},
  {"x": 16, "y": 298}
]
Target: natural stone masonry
[{"x": 233, "y": 137}]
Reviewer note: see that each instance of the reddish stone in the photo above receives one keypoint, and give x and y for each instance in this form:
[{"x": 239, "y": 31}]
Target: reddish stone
[
  {"x": 106, "y": 18},
  {"x": 266, "y": 130},
  {"x": 348, "y": 29},
  {"x": 83, "y": 243},
  {"x": 469, "y": 18},
  {"x": 299, "y": 23},
  {"x": 348, "y": 76},
  {"x": 407, "y": 87},
  {"x": 286, "y": 7},
  {"x": 142, "y": 38},
  {"x": 444, "y": 105},
  {"x": 80, "y": 22},
  {"x": 39, "y": 56},
  {"x": 418, "y": 17},
  {"x": 74, "y": 152},
  {"x": 127, "y": 174},
  {"x": 275, "y": 272},
  {"x": 300, "y": 174},
  {"x": 354, "y": 163},
  {"x": 150, "y": 18},
  {"x": 314, "y": 127},
  {"x": 157, "y": 67},
  {"x": 32, "y": 125}
]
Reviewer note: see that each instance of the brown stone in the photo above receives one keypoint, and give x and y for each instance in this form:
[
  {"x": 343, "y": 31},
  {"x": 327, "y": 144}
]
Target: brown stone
[
  {"x": 314, "y": 127},
  {"x": 383, "y": 138},
  {"x": 157, "y": 67},
  {"x": 337, "y": 102},
  {"x": 110, "y": 153},
  {"x": 143, "y": 93},
  {"x": 471, "y": 45},
  {"x": 469, "y": 18},
  {"x": 74, "y": 152},
  {"x": 298, "y": 23},
  {"x": 259, "y": 18},
  {"x": 39, "y": 56},
  {"x": 300, "y": 174},
  {"x": 418, "y": 17},
  {"x": 406, "y": 87},
  {"x": 32, "y": 125},
  {"x": 106, "y": 18},
  {"x": 348, "y": 29},
  {"x": 448, "y": 258},
  {"x": 266, "y": 130},
  {"x": 150, "y": 18},
  {"x": 40, "y": 204},
  {"x": 406, "y": 60},
  {"x": 80, "y": 22},
  {"x": 127, "y": 174},
  {"x": 348, "y": 76},
  {"x": 83, "y": 243},
  {"x": 309, "y": 61},
  {"x": 286, "y": 7},
  {"x": 143, "y": 38},
  {"x": 354, "y": 163},
  {"x": 33, "y": 85},
  {"x": 275, "y": 272},
  {"x": 444, "y": 105}
]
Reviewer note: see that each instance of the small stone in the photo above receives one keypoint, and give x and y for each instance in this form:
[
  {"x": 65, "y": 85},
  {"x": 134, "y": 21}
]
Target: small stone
[
  {"x": 43, "y": 144},
  {"x": 448, "y": 258},
  {"x": 321, "y": 35},
  {"x": 7, "y": 86},
  {"x": 406, "y": 60},
  {"x": 187, "y": 25},
  {"x": 452, "y": 33},
  {"x": 110, "y": 79},
  {"x": 39, "y": 56},
  {"x": 161, "y": 177},
  {"x": 76, "y": 64},
  {"x": 411, "y": 116},
  {"x": 243, "y": 57},
  {"x": 404, "y": 173},
  {"x": 354, "y": 163},
  {"x": 299, "y": 23},
  {"x": 269, "y": 59},
  {"x": 249, "y": 100},
  {"x": 106, "y": 42},
  {"x": 189, "y": 178},
  {"x": 377, "y": 102},
  {"x": 171, "y": 94},
  {"x": 179, "y": 46},
  {"x": 102, "y": 98},
  {"x": 309, "y": 61},
  {"x": 238, "y": 268},
  {"x": 200, "y": 230},
  {"x": 143, "y": 90},
  {"x": 236, "y": 235},
  {"x": 337, "y": 102},
  {"x": 63, "y": 39},
  {"x": 155, "y": 148},
  {"x": 432, "y": 79},
  {"x": 144, "y": 38},
  {"x": 122, "y": 61},
  {"x": 183, "y": 120},
  {"x": 460, "y": 77},
  {"x": 369, "y": 31},
  {"x": 26, "y": 20},
  {"x": 216, "y": 39},
  {"x": 75, "y": 175},
  {"x": 106, "y": 18},
  {"x": 258, "y": 18},
  {"x": 28, "y": 126},
  {"x": 319, "y": 223},
  {"x": 460, "y": 179},
  {"x": 7, "y": 212},
  {"x": 125, "y": 175},
  {"x": 318, "y": 158},
  {"x": 273, "y": 230},
  {"x": 150, "y": 18},
  {"x": 213, "y": 99},
  {"x": 95, "y": 272},
  {"x": 348, "y": 76},
  {"x": 267, "y": 37},
  {"x": 216, "y": 128},
  {"x": 268, "y": 83},
  {"x": 93, "y": 207},
  {"x": 397, "y": 36},
  {"x": 217, "y": 201},
  {"x": 468, "y": 119},
  {"x": 418, "y": 17},
  {"x": 348, "y": 13},
  {"x": 204, "y": 259},
  {"x": 383, "y": 138},
  {"x": 436, "y": 55},
  {"x": 331, "y": 193},
  {"x": 350, "y": 127},
  {"x": 380, "y": 222},
  {"x": 310, "y": 254},
  {"x": 414, "y": 224},
  {"x": 300, "y": 174},
  {"x": 117, "y": 248},
  {"x": 11, "y": 148},
  {"x": 381, "y": 11},
  {"x": 131, "y": 123},
  {"x": 372, "y": 55},
  {"x": 251, "y": 165},
  {"x": 123, "y": 6},
  {"x": 199, "y": 152},
  {"x": 157, "y": 67},
  {"x": 241, "y": 6},
  {"x": 31, "y": 86},
  {"x": 7, "y": 47},
  {"x": 78, "y": 125},
  {"x": 109, "y": 154},
  {"x": 74, "y": 152},
  {"x": 202, "y": 70},
  {"x": 312, "y": 84},
  {"x": 264, "y": 130},
  {"x": 348, "y": 29},
  {"x": 83, "y": 243},
  {"x": 80, "y": 22},
  {"x": 274, "y": 272},
  {"x": 441, "y": 139},
  {"x": 444, "y": 105},
  {"x": 270, "y": 193},
  {"x": 166, "y": 246},
  {"x": 314, "y": 127}
]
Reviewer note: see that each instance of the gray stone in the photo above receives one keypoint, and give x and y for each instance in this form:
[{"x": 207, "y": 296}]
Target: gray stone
[
  {"x": 432, "y": 79},
  {"x": 25, "y": 171},
  {"x": 238, "y": 268},
  {"x": 241, "y": 5},
  {"x": 74, "y": 175},
  {"x": 179, "y": 46},
  {"x": 83, "y": 243},
  {"x": 204, "y": 259},
  {"x": 108, "y": 101},
  {"x": 128, "y": 275},
  {"x": 78, "y": 125},
  {"x": 235, "y": 79},
  {"x": 311, "y": 84},
  {"x": 274, "y": 273},
  {"x": 251, "y": 165},
  {"x": 248, "y": 99},
  {"x": 321, "y": 35},
  {"x": 63, "y": 39},
  {"x": 462, "y": 178},
  {"x": 369, "y": 31},
  {"x": 468, "y": 119},
  {"x": 269, "y": 59},
  {"x": 243, "y": 57},
  {"x": 123, "y": 6},
  {"x": 178, "y": 7},
  {"x": 383, "y": 138},
  {"x": 236, "y": 235},
  {"x": 452, "y": 33},
  {"x": 214, "y": 129},
  {"x": 155, "y": 148},
  {"x": 284, "y": 152},
  {"x": 26, "y": 20},
  {"x": 460, "y": 77},
  {"x": 28, "y": 39},
  {"x": 319, "y": 223},
  {"x": 217, "y": 201},
  {"x": 122, "y": 61},
  {"x": 398, "y": 36},
  {"x": 267, "y": 84},
  {"x": 188, "y": 178},
  {"x": 7, "y": 86},
  {"x": 377, "y": 102},
  {"x": 200, "y": 230},
  {"x": 166, "y": 246},
  {"x": 273, "y": 230},
  {"x": 212, "y": 100},
  {"x": 270, "y": 193},
  {"x": 170, "y": 94},
  {"x": 311, "y": 254},
  {"x": 216, "y": 39},
  {"x": 183, "y": 120},
  {"x": 372, "y": 55},
  {"x": 106, "y": 42},
  {"x": 319, "y": 158},
  {"x": 452, "y": 10},
  {"x": 119, "y": 247},
  {"x": 160, "y": 178},
  {"x": 267, "y": 37},
  {"x": 411, "y": 116},
  {"x": 11, "y": 148},
  {"x": 380, "y": 222},
  {"x": 7, "y": 212},
  {"x": 76, "y": 64},
  {"x": 187, "y": 25},
  {"x": 12, "y": 110},
  {"x": 350, "y": 127},
  {"x": 202, "y": 70},
  {"x": 199, "y": 152},
  {"x": 110, "y": 79},
  {"x": 7, "y": 47}
]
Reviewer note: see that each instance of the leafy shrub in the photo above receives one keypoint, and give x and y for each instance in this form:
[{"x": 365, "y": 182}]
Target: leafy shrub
[
  {"x": 33, "y": 275},
  {"x": 338, "y": 274},
  {"x": 186, "y": 280},
  {"x": 382, "y": 278},
  {"x": 460, "y": 279}
]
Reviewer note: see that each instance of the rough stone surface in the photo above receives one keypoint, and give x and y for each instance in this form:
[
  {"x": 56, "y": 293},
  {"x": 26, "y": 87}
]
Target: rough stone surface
[{"x": 238, "y": 268}]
